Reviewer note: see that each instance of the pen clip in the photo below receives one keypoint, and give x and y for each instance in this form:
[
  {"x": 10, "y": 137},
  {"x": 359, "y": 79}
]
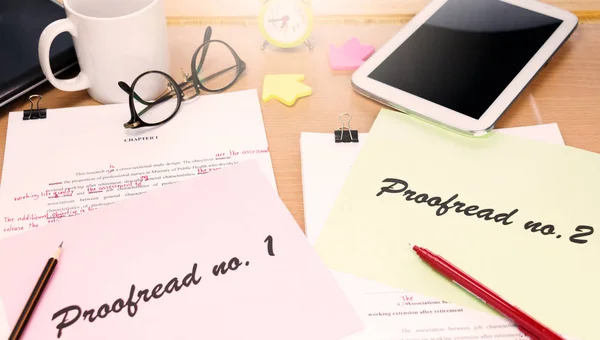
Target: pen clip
[{"x": 526, "y": 332}]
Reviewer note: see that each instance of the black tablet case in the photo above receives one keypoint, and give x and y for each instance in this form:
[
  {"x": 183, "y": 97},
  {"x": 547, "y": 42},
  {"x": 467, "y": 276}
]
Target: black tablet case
[{"x": 21, "y": 24}]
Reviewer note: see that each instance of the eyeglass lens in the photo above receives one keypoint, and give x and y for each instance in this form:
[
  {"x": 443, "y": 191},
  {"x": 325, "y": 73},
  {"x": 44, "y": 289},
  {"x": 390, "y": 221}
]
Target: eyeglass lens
[
  {"x": 216, "y": 66},
  {"x": 156, "y": 100}
]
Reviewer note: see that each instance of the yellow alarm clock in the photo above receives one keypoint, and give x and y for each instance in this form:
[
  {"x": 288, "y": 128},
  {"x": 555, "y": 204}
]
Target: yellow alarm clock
[{"x": 286, "y": 23}]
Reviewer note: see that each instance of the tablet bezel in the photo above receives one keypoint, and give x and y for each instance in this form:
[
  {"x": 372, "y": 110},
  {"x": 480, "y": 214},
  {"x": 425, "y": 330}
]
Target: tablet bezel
[{"x": 437, "y": 114}]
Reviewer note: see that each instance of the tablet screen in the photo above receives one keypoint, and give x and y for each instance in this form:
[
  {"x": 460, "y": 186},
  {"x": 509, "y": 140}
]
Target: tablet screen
[{"x": 466, "y": 54}]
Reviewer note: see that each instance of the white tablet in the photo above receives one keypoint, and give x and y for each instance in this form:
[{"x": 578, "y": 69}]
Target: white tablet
[{"x": 461, "y": 63}]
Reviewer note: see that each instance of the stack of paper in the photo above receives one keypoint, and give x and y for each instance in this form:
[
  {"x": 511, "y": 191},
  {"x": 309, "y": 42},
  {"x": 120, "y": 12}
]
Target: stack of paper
[
  {"x": 81, "y": 159},
  {"x": 391, "y": 313},
  {"x": 216, "y": 257},
  {"x": 516, "y": 214}
]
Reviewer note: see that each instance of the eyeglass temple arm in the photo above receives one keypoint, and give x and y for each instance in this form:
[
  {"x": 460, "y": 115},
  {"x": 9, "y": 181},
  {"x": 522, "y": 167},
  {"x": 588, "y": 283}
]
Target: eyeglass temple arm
[
  {"x": 217, "y": 74},
  {"x": 207, "y": 35},
  {"x": 129, "y": 91}
]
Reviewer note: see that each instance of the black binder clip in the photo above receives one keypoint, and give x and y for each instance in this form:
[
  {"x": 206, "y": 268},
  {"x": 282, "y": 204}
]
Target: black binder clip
[
  {"x": 344, "y": 134},
  {"x": 36, "y": 113}
]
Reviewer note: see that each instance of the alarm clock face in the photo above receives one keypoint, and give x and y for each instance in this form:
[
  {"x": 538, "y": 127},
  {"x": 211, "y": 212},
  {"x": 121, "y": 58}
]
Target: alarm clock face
[{"x": 286, "y": 23}]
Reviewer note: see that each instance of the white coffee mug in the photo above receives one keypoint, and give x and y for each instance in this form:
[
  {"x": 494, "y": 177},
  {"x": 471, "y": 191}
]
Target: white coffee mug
[{"x": 115, "y": 40}]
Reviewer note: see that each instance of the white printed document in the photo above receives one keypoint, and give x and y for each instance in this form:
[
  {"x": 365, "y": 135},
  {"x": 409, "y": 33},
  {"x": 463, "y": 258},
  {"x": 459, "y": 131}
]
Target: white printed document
[
  {"x": 82, "y": 158},
  {"x": 389, "y": 313}
]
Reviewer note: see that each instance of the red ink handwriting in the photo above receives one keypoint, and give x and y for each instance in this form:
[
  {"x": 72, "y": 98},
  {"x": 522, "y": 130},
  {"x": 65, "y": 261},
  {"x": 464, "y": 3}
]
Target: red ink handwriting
[
  {"x": 29, "y": 220},
  {"x": 202, "y": 171},
  {"x": 13, "y": 228},
  {"x": 232, "y": 153},
  {"x": 27, "y": 196},
  {"x": 32, "y": 217},
  {"x": 111, "y": 187},
  {"x": 69, "y": 212},
  {"x": 63, "y": 193},
  {"x": 48, "y": 193},
  {"x": 255, "y": 151},
  {"x": 221, "y": 156}
]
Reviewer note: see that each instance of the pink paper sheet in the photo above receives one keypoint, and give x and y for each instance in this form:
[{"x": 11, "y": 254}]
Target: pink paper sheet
[{"x": 161, "y": 235}]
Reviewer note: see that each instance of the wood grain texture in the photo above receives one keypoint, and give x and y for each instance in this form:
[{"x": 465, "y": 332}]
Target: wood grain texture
[
  {"x": 232, "y": 8},
  {"x": 566, "y": 92},
  {"x": 584, "y": 17},
  {"x": 379, "y": 11}
]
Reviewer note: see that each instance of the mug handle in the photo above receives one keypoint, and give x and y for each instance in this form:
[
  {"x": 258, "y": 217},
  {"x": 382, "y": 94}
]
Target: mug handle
[{"x": 81, "y": 82}]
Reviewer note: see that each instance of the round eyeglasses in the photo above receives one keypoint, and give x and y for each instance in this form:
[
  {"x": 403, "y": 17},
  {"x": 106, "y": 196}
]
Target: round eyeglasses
[{"x": 155, "y": 97}]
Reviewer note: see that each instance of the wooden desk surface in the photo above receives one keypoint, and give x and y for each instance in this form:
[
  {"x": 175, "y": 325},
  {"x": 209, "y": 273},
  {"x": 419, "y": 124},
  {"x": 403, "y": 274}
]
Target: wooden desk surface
[{"x": 566, "y": 92}]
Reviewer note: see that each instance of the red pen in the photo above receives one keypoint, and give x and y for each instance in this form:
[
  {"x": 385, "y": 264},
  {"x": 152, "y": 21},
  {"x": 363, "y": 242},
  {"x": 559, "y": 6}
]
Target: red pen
[{"x": 528, "y": 325}]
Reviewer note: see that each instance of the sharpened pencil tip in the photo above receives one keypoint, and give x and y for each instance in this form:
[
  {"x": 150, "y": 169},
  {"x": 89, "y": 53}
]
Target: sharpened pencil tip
[{"x": 61, "y": 243}]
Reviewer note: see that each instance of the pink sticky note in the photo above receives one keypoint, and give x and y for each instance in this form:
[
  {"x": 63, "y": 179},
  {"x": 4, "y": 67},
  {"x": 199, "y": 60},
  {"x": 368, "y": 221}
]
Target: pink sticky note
[
  {"x": 350, "y": 55},
  {"x": 215, "y": 257}
]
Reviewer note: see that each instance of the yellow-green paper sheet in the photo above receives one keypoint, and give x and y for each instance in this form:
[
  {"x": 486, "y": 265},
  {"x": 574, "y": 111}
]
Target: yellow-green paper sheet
[{"x": 400, "y": 191}]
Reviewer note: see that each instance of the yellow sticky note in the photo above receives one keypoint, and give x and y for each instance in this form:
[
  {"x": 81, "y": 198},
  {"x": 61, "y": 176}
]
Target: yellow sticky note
[
  {"x": 286, "y": 88},
  {"x": 520, "y": 216}
]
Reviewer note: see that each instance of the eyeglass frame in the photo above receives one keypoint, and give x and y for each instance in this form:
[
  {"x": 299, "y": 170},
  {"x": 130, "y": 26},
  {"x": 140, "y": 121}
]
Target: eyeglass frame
[{"x": 178, "y": 88}]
